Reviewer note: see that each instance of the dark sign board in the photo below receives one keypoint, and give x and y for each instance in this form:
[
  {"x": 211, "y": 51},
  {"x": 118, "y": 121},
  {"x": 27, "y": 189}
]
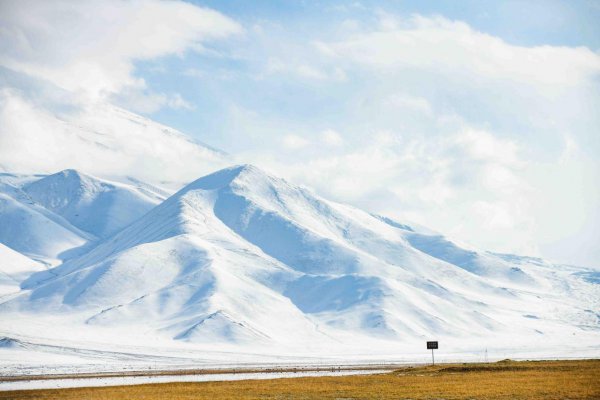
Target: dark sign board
[{"x": 432, "y": 345}]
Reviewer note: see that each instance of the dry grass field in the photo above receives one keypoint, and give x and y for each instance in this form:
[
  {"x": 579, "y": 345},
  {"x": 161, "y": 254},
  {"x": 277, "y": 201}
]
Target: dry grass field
[{"x": 501, "y": 380}]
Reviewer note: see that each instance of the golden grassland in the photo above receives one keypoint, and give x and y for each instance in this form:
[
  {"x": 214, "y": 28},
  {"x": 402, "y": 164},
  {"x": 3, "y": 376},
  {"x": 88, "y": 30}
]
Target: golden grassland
[{"x": 501, "y": 380}]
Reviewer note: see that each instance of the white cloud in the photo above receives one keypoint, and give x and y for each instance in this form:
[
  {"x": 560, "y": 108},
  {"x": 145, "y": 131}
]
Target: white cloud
[
  {"x": 566, "y": 199},
  {"x": 294, "y": 142},
  {"x": 90, "y": 47},
  {"x": 149, "y": 102},
  {"x": 177, "y": 102},
  {"x": 308, "y": 71},
  {"x": 442, "y": 124},
  {"x": 440, "y": 44},
  {"x": 413, "y": 103},
  {"x": 482, "y": 145},
  {"x": 100, "y": 139},
  {"x": 331, "y": 138},
  {"x": 471, "y": 185},
  {"x": 276, "y": 65},
  {"x": 446, "y": 183}
]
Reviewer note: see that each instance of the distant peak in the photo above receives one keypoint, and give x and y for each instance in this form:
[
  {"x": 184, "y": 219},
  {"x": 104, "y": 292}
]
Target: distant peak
[
  {"x": 69, "y": 173},
  {"x": 72, "y": 175},
  {"x": 68, "y": 179},
  {"x": 225, "y": 177},
  {"x": 240, "y": 168}
]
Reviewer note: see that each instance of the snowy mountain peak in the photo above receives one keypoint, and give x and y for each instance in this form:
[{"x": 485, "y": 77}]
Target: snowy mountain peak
[
  {"x": 75, "y": 178},
  {"x": 57, "y": 190},
  {"x": 227, "y": 177},
  {"x": 69, "y": 173},
  {"x": 94, "y": 205}
]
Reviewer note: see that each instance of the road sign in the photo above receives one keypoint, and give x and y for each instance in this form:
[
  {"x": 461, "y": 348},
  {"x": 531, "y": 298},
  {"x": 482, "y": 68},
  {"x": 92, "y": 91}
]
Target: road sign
[{"x": 432, "y": 346}]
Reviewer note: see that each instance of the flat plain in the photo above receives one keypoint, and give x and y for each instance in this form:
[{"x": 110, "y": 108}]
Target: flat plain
[{"x": 578, "y": 379}]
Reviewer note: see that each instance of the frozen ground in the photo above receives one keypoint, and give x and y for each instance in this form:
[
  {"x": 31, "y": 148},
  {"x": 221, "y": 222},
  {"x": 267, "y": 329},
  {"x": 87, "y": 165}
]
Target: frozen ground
[
  {"x": 67, "y": 357},
  {"x": 140, "y": 380}
]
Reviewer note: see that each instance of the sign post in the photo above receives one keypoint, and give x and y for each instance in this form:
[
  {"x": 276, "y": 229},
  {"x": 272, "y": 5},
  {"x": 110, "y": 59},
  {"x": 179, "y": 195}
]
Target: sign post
[{"x": 432, "y": 346}]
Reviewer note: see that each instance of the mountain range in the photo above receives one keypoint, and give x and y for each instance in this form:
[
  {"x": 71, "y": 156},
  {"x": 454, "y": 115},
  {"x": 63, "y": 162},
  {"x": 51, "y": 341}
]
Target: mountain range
[{"x": 242, "y": 262}]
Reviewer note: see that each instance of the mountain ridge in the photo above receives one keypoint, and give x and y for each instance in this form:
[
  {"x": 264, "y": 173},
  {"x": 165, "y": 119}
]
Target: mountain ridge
[{"x": 242, "y": 258}]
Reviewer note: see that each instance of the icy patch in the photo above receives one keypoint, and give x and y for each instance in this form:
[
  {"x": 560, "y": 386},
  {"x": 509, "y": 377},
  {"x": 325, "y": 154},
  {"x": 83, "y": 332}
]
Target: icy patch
[{"x": 142, "y": 380}]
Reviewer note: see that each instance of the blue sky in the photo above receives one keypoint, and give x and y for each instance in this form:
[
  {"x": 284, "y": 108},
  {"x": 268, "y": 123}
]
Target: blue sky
[
  {"x": 521, "y": 23},
  {"x": 475, "y": 118}
]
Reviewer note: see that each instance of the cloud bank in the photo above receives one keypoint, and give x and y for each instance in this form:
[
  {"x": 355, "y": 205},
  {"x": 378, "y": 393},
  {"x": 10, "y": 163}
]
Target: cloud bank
[{"x": 90, "y": 48}]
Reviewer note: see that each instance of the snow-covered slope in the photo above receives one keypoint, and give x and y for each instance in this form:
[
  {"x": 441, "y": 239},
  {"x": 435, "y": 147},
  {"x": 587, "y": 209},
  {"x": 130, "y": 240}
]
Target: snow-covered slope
[
  {"x": 242, "y": 258},
  {"x": 92, "y": 204},
  {"x": 56, "y": 217},
  {"x": 14, "y": 268},
  {"x": 181, "y": 270},
  {"x": 34, "y": 231}
]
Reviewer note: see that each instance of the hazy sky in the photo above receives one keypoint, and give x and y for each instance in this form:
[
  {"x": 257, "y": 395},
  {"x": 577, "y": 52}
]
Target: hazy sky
[{"x": 475, "y": 118}]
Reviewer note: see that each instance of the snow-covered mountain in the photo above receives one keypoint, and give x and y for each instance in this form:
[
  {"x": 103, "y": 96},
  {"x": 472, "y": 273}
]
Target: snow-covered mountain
[
  {"x": 91, "y": 204},
  {"x": 36, "y": 232},
  {"x": 240, "y": 259},
  {"x": 52, "y": 218}
]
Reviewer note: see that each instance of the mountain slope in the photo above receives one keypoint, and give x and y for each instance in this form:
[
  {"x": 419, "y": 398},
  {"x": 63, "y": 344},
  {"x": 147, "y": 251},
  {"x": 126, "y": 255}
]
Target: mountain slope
[
  {"x": 36, "y": 232},
  {"x": 56, "y": 217},
  {"x": 14, "y": 268},
  {"x": 91, "y": 204},
  {"x": 242, "y": 258}
]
